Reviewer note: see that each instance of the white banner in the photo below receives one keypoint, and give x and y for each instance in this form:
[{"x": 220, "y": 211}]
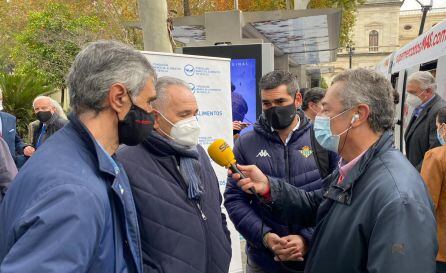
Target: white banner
[
  {"x": 383, "y": 66},
  {"x": 440, "y": 76},
  {"x": 209, "y": 79},
  {"x": 427, "y": 47}
]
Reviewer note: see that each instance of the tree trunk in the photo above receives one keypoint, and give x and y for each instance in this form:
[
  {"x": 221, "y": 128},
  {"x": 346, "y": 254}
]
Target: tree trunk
[
  {"x": 153, "y": 17},
  {"x": 186, "y": 7}
]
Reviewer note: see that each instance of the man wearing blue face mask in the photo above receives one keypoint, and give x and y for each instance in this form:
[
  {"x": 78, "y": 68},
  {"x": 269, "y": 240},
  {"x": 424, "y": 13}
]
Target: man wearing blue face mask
[
  {"x": 375, "y": 215},
  {"x": 176, "y": 190},
  {"x": 282, "y": 144}
]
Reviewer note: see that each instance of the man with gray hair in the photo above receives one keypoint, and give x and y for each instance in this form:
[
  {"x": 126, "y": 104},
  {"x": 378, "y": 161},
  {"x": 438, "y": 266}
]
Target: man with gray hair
[
  {"x": 71, "y": 209},
  {"x": 375, "y": 215},
  {"x": 49, "y": 120},
  {"x": 421, "y": 133},
  {"x": 183, "y": 228}
]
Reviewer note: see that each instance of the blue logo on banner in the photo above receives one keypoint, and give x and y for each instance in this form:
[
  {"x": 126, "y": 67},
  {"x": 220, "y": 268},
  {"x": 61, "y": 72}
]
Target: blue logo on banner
[
  {"x": 189, "y": 70},
  {"x": 192, "y": 87}
]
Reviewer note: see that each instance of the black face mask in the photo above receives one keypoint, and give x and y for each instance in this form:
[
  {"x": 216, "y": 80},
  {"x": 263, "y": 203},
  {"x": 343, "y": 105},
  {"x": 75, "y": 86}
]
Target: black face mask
[
  {"x": 280, "y": 117},
  {"x": 136, "y": 126},
  {"x": 44, "y": 116}
]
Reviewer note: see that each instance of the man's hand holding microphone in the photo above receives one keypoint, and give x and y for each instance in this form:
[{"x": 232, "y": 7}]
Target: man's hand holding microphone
[
  {"x": 288, "y": 248},
  {"x": 253, "y": 181}
]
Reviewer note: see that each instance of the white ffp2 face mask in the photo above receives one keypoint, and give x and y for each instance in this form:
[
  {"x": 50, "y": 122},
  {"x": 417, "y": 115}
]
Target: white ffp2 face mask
[
  {"x": 413, "y": 100},
  {"x": 185, "y": 132}
]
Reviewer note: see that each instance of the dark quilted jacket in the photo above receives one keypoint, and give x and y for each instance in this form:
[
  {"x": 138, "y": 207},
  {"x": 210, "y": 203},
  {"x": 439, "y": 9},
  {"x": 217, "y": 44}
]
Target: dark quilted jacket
[{"x": 175, "y": 236}]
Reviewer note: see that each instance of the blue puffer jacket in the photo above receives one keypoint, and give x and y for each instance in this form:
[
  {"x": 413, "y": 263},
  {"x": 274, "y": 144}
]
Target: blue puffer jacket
[
  {"x": 293, "y": 162},
  {"x": 176, "y": 236},
  {"x": 70, "y": 209}
]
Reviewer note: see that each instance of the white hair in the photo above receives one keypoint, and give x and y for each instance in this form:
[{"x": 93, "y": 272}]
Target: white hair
[
  {"x": 41, "y": 98},
  {"x": 424, "y": 79},
  {"x": 59, "y": 109},
  {"x": 161, "y": 90},
  {"x": 54, "y": 103}
]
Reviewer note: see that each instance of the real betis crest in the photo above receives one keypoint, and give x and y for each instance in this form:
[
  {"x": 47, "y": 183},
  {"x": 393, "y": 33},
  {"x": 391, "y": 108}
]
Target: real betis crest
[{"x": 306, "y": 151}]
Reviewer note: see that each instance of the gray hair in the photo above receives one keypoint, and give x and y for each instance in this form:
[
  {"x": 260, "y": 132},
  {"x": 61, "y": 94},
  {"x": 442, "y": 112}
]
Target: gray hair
[
  {"x": 59, "y": 109},
  {"x": 315, "y": 95},
  {"x": 54, "y": 103},
  {"x": 161, "y": 86},
  {"x": 424, "y": 79},
  {"x": 42, "y": 97},
  {"x": 276, "y": 78},
  {"x": 100, "y": 65},
  {"x": 362, "y": 86}
]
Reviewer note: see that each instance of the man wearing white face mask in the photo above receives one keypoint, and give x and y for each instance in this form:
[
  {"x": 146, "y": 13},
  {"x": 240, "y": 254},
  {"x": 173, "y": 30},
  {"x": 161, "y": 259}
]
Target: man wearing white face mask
[
  {"x": 176, "y": 190},
  {"x": 421, "y": 133}
]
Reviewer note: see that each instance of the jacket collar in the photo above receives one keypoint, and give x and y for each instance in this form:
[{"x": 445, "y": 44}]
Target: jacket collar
[
  {"x": 262, "y": 127},
  {"x": 105, "y": 161},
  {"x": 342, "y": 193}
]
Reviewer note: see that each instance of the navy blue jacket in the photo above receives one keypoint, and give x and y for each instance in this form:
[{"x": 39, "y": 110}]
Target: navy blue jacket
[
  {"x": 9, "y": 134},
  {"x": 177, "y": 234},
  {"x": 70, "y": 209},
  {"x": 294, "y": 162},
  {"x": 378, "y": 220}
]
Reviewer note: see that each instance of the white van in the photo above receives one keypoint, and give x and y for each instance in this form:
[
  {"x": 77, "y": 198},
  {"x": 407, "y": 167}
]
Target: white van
[{"x": 425, "y": 53}]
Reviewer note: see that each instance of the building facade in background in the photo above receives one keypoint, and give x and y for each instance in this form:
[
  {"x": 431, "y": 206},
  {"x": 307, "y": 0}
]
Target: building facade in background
[{"x": 380, "y": 29}]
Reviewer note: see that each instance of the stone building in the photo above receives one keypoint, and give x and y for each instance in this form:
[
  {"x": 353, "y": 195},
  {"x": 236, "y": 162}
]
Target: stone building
[{"x": 380, "y": 29}]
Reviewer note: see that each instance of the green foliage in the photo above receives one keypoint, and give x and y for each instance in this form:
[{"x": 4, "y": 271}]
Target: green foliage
[
  {"x": 19, "y": 92},
  {"x": 50, "y": 40},
  {"x": 348, "y": 8},
  {"x": 262, "y": 5},
  {"x": 324, "y": 83},
  {"x": 199, "y": 7}
]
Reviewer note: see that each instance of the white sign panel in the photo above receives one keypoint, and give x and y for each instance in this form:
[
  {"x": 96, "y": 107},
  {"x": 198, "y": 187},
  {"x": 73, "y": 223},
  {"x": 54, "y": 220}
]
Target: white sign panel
[
  {"x": 383, "y": 67},
  {"x": 441, "y": 76},
  {"x": 429, "y": 46},
  {"x": 209, "y": 80}
]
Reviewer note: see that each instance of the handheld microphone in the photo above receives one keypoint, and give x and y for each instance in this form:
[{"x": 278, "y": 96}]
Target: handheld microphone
[{"x": 222, "y": 154}]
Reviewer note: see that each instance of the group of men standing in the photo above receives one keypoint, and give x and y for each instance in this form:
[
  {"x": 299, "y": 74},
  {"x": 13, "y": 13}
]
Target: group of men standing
[{"x": 126, "y": 187}]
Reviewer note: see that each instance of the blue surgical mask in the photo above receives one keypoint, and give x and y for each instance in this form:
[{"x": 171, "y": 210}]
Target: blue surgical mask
[
  {"x": 440, "y": 138},
  {"x": 324, "y": 135}
]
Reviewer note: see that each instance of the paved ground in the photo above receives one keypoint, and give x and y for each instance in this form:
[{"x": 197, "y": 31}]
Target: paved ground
[{"x": 242, "y": 248}]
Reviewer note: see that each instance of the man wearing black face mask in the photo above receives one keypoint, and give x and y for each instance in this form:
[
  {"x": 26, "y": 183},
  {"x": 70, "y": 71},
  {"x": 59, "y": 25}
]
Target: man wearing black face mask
[
  {"x": 282, "y": 145},
  {"x": 71, "y": 208},
  {"x": 49, "y": 120}
]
